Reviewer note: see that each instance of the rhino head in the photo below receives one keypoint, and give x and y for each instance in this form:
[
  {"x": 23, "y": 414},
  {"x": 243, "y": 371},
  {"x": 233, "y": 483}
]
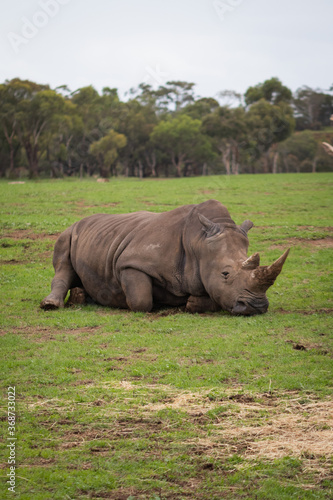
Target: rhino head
[{"x": 237, "y": 283}]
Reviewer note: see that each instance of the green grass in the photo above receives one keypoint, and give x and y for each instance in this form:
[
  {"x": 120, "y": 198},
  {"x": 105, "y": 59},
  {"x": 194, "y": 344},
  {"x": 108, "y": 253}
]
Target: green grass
[{"x": 122, "y": 405}]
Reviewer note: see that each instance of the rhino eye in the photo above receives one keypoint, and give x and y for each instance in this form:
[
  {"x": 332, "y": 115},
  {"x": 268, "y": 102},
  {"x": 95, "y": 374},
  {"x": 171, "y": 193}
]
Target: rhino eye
[{"x": 225, "y": 274}]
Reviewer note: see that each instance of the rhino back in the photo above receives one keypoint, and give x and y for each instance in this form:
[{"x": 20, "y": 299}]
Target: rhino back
[{"x": 103, "y": 245}]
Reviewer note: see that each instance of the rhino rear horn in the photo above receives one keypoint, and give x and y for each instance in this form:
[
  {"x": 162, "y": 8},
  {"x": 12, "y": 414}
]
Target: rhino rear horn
[
  {"x": 211, "y": 227},
  {"x": 267, "y": 275},
  {"x": 246, "y": 225},
  {"x": 252, "y": 262}
]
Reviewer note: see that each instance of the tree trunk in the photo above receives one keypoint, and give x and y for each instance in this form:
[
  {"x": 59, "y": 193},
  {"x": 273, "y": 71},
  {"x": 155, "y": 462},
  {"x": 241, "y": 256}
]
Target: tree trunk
[
  {"x": 275, "y": 162},
  {"x": 226, "y": 159},
  {"x": 266, "y": 162},
  {"x": 11, "y": 150},
  {"x": 153, "y": 165},
  {"x": 32, "y": 155},
  {"x": 177, "y": 164},
  {"x": 286, "y": 164},
  {"x": 88, "y": 169},
  {"x": 314, "y": 164},
  {"x": 235, "y": 164},
  {"x": 140, "y": 169},
  {"x": 11, "y": 164},
  {"x": 151, "y": 162}
]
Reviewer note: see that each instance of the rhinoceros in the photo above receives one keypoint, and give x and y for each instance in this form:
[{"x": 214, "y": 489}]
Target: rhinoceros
[{"x": 194, "y": 255}]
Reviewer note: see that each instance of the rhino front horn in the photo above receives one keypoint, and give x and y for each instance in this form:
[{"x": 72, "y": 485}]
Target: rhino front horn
[
  {"x": 275, "y": 268},
  {"x": 267, "y": 275}
]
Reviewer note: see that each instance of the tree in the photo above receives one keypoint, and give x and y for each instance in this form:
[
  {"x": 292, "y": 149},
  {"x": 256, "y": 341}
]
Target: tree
[
  {"x": 201, "y": 108},
  {"x": 228, "y": 128},
  {"x": 299, "y": 150},
  {"x": 61, "y": 156},
  {"x": 313, "y": 108},
  {"x": 87, "y": 101},
  {"x": 269, "y": 124},
  {"x": 230, "y": 98},
  {"x": 184, "y": 142},
  {"x": 37, "y": 110},
  {"x": 8, "y": 104},
  {"x": 60, "y": 132},
  {"x": 174, "y": 95},
  {"x": 271, "y": 90},
  {"x": 106, "y": 151},
  {"x": 137, "y": 122}
]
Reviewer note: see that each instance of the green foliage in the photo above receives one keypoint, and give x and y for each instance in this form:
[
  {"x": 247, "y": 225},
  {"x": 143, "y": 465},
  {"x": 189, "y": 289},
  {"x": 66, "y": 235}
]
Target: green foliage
[
  {"x": 270, "y": 123},
  {"x": 54, "y": 133},
  {"x": 271, "y": 90},
  {"x": 106, "y": 150},
  {"x": 182, "y": 138},
  {"x": 313, "y": 108}
]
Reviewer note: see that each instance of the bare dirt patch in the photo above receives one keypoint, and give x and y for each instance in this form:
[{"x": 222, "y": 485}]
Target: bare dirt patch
[
  {"x": 13, "y": 262},
  {"x": 207, "y": 191},
  {"x": 22, "y": 234},
  {"x": 322, "y": 310},
  {"x": 319, "y": 243},
  {"x": 119, "y": 494},
  {"x": 43, "y": 334},
  {"x": 83, "y": 204}
]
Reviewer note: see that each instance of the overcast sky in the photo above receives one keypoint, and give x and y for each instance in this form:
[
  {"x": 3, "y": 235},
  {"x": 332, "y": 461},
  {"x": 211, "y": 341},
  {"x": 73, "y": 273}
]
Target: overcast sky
[{"x": 219, "y": 45}]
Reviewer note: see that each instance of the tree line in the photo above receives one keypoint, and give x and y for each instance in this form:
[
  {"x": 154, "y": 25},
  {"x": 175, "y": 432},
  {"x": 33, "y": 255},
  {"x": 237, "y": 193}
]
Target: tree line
[{"x": 168, "y": 131}]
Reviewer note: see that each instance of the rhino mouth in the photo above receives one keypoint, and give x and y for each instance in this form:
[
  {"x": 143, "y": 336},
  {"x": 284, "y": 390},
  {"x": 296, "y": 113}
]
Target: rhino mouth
[{"x": 245, "y": 308}]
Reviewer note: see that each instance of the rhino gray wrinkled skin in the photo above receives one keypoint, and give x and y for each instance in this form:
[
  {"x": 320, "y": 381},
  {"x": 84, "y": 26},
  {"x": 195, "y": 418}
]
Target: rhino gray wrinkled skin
[{"x": 194, "y": 255}]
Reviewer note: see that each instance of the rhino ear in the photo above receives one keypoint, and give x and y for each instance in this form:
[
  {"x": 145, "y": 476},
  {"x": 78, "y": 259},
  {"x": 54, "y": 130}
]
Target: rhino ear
[
  {"x": 246, "y": 226},
  {"x": 211, "y": 227}
]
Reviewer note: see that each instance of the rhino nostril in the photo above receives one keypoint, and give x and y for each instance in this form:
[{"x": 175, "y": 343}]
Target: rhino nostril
[
  {"x": 245, "y": 309},
  {"x": 239, "y": 308}
]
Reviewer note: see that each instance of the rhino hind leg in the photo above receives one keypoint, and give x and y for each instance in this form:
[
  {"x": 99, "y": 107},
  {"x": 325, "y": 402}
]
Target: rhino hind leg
[
  {"x": 78, "y": 296},
  {"x": 65, "y": 276}
]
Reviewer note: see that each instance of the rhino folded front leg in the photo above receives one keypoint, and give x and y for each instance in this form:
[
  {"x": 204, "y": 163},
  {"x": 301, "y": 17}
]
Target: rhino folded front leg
[{"x": 201, "y": 305}]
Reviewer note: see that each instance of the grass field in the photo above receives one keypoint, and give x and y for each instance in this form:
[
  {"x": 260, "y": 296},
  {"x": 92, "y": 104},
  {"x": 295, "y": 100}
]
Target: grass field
[{"x": 166, "y": 405}]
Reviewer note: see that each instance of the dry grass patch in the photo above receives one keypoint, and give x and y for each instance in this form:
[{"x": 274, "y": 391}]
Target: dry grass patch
[
  {"x": 271, "y": 427},
  {"x": 268, "y": 426}
]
